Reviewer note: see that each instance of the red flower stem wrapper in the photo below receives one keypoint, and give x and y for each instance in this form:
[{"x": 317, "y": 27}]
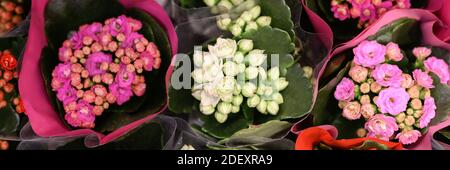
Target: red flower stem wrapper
[
  {"x": 309, "y": 138},
  {"x": 44, "y": 119}
]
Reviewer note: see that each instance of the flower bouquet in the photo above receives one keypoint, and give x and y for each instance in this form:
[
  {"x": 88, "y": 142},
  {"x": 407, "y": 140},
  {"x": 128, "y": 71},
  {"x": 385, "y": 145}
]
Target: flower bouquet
[
  {"x": 12, "y": 113},
  {"x": 389, "y": 83},
  {"x": 348, "y": 18},
  {"x": 246, "y": 86},
  {"x": 102, "y": 74},
  {"x": 12, "y": 15}
]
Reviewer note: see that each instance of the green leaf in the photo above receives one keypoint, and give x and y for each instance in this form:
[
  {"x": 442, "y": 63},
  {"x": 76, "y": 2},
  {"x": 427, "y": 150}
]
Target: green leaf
[
  {"x": 280, "y": 42},
  {"x": 369, "y": 144},
  {"x": 269, "y": 129},
  {"x": 59, "y": 12},
  {"x": 9, "y": 119},
  {"x": 280, "y": 13},
  {"x": 155, "y": 95},
  {"x": 234, "y": 123},
  {"x": 403, "y": 32},
  {"x": 441, "y": 95}
]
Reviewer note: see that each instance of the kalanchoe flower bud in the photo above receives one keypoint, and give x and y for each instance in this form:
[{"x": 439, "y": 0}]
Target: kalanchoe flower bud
[
  {"x": 277, "y": 98},
  {"x": 375, "y": 87},
  {"x": 256, "y": 57},
  {"x": 264, "y": 21},
  {"x": 307, "y": 72},
  {"x": 424, "y": 93},
  {"x": 224, "y": 107},
  {"x": 237, "y": 100},
  {"x": 342, "y": 104},
  {"x": 210, "y": 3},
  {"x": 361, "y": 132},
  {"x": 416, "y": 104},
  {"x": 262, "y": 107},
  {"x": 247, "y": 16},
  {"x": 256, "y": 12},
  {"x": 409, "y": 111},
  {"x": 364, "y": 99},
  {"x": 197, "y": 94},
  {"x": 251, "y": 73},
  {"x": 230, "y": 69},
  {"x": 226, "y": 97},
  {"x": 245, "y": 45},
  {"x": 273, "y": 108},
  {"x": 352, "y": 111},
  {"x": 225, "y": 4},
  {"x": 400, "y": 117},
  {"x": 273, "y": 73},
  {"x": 393, "y": 52},
  {"x": 197, "y": 75},
  {"x": 242, "y": 67},
  {"x": 220, "y": 117},
  {"x": 421, "y": 52},
  {"x": 237, "y": 89},
  {"x": 251, "y": 25},
  {"x": 236, "y": 30},
  {"x": 407, "y": 81},
  {"x": 358, "y": 73},
  {"x": 207, "y": 110},
  {"x": 223, "y": 22},
  {"x": 414, "y": 91},
  {"x": 281, "y": 84},
  {"x": 417, "y": 114},
  {"x": 236, "y": 2},
  {"x": 249, "y": 89},
  {"x": 252, "y": 102},
  {"x": 238, "y": 57},
  {"x": 364, "y": 88},
  {"x": 235, "y": 109},
  {"x": 409, "y": 120},
  {"x": 262, "y": 73}
]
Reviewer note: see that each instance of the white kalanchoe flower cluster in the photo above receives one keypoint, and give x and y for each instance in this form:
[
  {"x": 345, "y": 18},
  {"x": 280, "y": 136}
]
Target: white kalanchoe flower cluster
[
  {"x": 250, "y": 19},
  {"x": 230, "y": 72}
]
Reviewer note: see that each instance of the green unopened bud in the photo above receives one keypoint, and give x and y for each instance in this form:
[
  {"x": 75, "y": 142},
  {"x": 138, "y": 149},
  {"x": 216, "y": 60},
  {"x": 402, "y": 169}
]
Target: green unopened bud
[
  {"x": 261, "y": 89},
  {"x": 198, "y": 58},
  {"x": 409, "y": 120},
  {"x": 197, "y": 94},
  {"x": 224, "y": 107},
  {"x": 273, "y": 73},
  {"x": 268, "y": 91},
  {"x": 220, "y": 117},
  {"x": 237, "y": 100},
  {"x": 225, "y": 4},
  {"x": 400, "y": 117},
  {"x": 207, "y": 110},
  {"x": 256, "y": 57},
  {"x": 307, "y": 72},
  {"x": 197, "y": 75},
  {"x": 245, "y": 45},
  {"x": 277, "y": 98},
  {"x": 235, "y": 109},
  {"x": 227, "y": 97},
  {"x": 241, "y": 22},
  {"x": 252, "y": 102},
  {"x": 238, "y": 57},
  {"x": 409, "y": 111},
  {"x": 401, "y": 126},
  {"x": 249, "y": 89},
  {"x": 237, "y": 89},
  {"x": 264, "y": 21},
  {"x": 246, "y": 16},
  {"x": 251, "y": 25},
  {"x": 272, "y": 107},
  {"x": 237, "y": 2},
  {"x": 262, "y": 73},
  {"x": 255, "y": 11},
  {"x": 424, "y": 93},
  {"x": 242, "y": 68},
  {"x": 416, "y": 104},
  {"x": 230, "y": 68},
  {"x": 210, "y": 3},
  {"x": 236, "y": 30},
  {"x": 281, "y": 84},
  {"x": 251, "y": 73},
  {"x": 418, "y": 114},
  {"x": 262, "y": 107},
  {"x": 223, "y": 23}
]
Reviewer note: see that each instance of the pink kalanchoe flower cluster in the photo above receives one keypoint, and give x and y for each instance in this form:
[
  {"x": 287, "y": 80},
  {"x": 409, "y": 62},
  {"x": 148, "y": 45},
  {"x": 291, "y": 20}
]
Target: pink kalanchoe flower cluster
[
  {"x": 395, "y": 104},
  {"x": 367, "y": 11},
  {"x": 102, "y": 64}
]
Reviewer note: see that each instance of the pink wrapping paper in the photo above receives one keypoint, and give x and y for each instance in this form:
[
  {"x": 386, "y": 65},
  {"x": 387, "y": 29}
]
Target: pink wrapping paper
[
  {"x": 443, "y": 32},
  {"x": 44, "y": 120},
  {"x": 428, "y": 20}
]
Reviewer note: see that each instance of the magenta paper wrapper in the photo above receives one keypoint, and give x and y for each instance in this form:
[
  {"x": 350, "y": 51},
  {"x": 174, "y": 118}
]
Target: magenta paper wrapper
[
  {"x": 427, "y": 21},
  {"x": 44, "y": 120},
  {"x": 443, "y": 32}
]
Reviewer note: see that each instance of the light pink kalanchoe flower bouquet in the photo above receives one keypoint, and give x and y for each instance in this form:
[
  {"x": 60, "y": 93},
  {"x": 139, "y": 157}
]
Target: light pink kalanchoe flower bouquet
[
  {"x": 396, "y": 102},
  {"x": 102, "y": 65}
]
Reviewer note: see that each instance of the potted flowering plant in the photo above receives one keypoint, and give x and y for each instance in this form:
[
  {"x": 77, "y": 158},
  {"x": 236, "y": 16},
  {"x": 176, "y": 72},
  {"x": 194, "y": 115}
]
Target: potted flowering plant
[
  {"x": 102, "y": 74},
  {"x": 243, "y": 95},
  {"x": 388, "y": 84},
  {"x": 347, "y": 18}
]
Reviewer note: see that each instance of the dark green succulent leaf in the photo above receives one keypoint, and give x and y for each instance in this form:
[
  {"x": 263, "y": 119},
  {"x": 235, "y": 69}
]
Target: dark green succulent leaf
[
  {"x": 280, "y": 42},
  {"x": 270, "y": 129},
  {"x": 280, "y": 13},
  {"x": 441, "y": 95},
  {"x": 9, "y": 120},
  {"x": 402, "y": 31},
  {"x": 78, "y": 12},
  {"x": 234, "y": 123}
]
